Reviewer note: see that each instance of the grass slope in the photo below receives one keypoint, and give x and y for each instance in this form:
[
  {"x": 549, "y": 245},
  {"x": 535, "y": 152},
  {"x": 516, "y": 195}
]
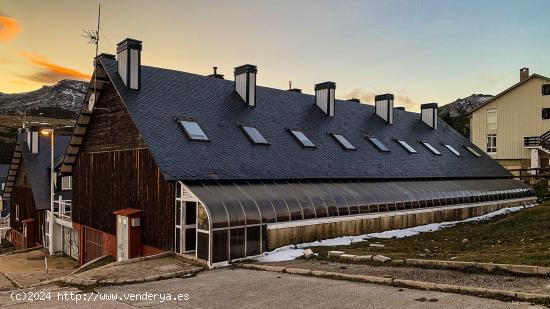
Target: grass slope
[{"x": 518, "y": 238}]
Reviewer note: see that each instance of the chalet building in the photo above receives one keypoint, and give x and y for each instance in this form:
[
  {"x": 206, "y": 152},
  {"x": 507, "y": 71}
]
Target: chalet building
[
  {"x": 28, "y": 186},
  {"x": 4, "y": 203},
  {"x": 514, "y": 126},
  {"x": 224, "y": 169}
]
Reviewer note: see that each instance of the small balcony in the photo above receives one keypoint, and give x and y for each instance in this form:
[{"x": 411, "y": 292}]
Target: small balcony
[{"x": 62, "y": 209}]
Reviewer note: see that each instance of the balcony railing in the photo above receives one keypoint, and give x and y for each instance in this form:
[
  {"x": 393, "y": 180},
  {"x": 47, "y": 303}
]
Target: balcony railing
[
  {"x": 62, "y": 208},
  {"x": 536, "y": 141},
  {"x": 5, "y": 222}
]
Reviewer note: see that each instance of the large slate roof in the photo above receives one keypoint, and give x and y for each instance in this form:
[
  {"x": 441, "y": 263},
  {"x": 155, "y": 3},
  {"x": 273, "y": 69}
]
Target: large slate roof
[
  {"x": 167, "y": 94},
  {"x": 38, "y": 166}
]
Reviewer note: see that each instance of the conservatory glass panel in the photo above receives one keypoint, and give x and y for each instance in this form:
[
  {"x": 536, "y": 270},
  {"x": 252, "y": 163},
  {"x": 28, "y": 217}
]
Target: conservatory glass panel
[
  {"x": 215, "y": 206},
  {"x": 253, "y": 240},
  {"x": 237, "y": 241}
]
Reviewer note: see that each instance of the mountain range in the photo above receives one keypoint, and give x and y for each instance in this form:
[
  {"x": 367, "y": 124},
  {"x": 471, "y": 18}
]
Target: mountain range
[
  {"x": 456, "y": 113},
  {"x": 62, "y": 100}
]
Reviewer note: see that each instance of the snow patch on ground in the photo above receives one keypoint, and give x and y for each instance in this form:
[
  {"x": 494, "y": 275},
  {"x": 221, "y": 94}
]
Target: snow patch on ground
[{"x": 292, "y": 252}]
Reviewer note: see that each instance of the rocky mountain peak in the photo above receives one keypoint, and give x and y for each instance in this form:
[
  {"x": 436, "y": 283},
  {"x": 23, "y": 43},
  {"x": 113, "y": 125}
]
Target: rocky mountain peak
[{"x": 61, "y": 100}]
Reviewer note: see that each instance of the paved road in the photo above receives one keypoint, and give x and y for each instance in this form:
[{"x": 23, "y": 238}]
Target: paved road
[
  {"x": 28, "y": 267},
  {"x": 238, "y": 288}
]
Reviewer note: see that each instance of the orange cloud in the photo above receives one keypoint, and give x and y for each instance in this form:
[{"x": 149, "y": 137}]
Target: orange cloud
[
  {"x": 51, "y": 72},
  {"x": 368, "y": 97},
  {"x": 9, "y": 28}
]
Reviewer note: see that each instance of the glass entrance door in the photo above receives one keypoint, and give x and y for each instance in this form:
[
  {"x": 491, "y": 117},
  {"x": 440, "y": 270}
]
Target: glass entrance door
[{"x": 186, "y": 226}]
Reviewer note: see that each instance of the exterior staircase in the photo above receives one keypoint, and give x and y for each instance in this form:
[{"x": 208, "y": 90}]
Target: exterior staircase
[{"x": 539, "y": 142}]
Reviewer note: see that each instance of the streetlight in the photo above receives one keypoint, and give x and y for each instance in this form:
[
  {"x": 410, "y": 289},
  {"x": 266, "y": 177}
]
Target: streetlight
[{"x": 50, "y": 132}]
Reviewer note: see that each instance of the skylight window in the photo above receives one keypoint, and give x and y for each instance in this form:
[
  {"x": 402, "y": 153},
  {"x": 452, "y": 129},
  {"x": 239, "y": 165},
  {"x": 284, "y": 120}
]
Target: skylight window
[
  {"x": 254, "y": 135},
  {"x": 472, "y": 151},
  {"x": 452, "y": 149},
  {"x": 193, "y": 130},
  {"x": 302, "y": 138},
  {"x": 406, "y": 146},
  {"x": 343, "y": 141},
  {"x": 431, "y": 148},
  {"x": 376, "y": 142}
]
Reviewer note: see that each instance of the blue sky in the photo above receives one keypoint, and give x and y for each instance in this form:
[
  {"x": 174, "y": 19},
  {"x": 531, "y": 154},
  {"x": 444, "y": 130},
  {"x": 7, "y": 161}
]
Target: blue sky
[{"x": 422, "y": 51}]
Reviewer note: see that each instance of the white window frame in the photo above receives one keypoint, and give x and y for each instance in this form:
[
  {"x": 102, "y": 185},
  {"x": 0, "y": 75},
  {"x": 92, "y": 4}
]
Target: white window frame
[
  {"x": 16, "y": 212},
  {"x": 182, "y": 198},
  {"x": 64, "y": 180},
  {"x": 491, "y": 125},
  {"x": 491, "y": 143}
]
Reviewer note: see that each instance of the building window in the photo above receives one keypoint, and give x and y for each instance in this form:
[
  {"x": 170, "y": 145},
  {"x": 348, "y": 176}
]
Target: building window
[
  {"x": 406, "y": 146},
  {"x": 452, "y": 149},
  {"x": 546, "y": 89},
  {"x": 376, "y": 142},
  {"x": 343, "y": 141},
  {"x": 472, "y": 151},
  {"x": 193, "y": 130},
  {"x": 67, "y": 183},
  {"x": 16, "y": 212},
  {"x": 546, "y": 113},
  {"x": 431, "y": 148},
  {"x": 492, "y": 119},
  {"x": 254, "y": 135},
  {"x": 491, "y": 143},
  {"x": 3, "y": 186},
  {"x": 302, "y": 138}
]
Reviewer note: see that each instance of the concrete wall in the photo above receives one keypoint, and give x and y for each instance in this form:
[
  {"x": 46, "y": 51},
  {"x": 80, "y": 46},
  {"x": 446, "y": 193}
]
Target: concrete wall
[
  {"x": 282, "y": 234},
  {"x": 519, "y": 114}
]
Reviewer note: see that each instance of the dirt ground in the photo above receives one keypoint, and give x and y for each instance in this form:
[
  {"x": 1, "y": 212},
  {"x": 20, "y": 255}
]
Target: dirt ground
[
  {"x": 495, "y": 281},
  {"x": 28, "y": 268}
]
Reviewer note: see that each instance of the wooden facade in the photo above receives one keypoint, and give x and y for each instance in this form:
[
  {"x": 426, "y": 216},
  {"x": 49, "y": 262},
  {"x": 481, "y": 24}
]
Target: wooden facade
[
  {"x": 114, "y": 170},
  {"x": 22, "y": 198}
]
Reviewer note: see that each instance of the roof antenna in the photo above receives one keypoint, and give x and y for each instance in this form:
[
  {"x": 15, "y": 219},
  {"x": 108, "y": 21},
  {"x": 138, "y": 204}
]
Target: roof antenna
[
  {"x": 93, "y": 38},
  {"x": 215, "y": 70},
  {"x": 289, "y": 85}
]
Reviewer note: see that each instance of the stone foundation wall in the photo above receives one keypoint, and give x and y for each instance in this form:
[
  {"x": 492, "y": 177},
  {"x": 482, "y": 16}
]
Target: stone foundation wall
[{"x": 282, "y": 234}]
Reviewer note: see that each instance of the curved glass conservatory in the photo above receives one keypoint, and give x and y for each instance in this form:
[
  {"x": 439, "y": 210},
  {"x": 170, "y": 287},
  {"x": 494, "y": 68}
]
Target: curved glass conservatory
[{"x": 232, "y": 218}]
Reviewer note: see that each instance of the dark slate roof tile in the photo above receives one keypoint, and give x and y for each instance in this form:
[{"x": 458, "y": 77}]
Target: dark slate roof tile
[
  {"x": 166, "y": 94},
  {"x": 37, "y": 166}
]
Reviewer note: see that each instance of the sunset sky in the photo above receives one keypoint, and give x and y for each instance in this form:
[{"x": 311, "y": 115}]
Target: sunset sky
[{"x": 422, "y": 51}]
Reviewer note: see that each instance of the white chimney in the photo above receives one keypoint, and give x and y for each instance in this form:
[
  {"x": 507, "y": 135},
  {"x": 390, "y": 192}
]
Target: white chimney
[
  {"x": 32, "y": 139},
  {"x": 245, "y": 83},
  {"x": 428, "y": 114},
  {"x": 129, "y": 62},
  {"x": 324, "y": 97},
  {"x": 383, "y": 106}
]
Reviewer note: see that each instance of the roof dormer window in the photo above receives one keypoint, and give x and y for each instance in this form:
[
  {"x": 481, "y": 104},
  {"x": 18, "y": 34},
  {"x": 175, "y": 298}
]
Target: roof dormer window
[
  {"x": 452, "y": 149},
  {"x": 343, "y": 141},
  {"x": 254, "y": 135},
  {"x": 376, "y": 142},
  {"x": 406, "y": 146},
  {"x": 302, "y": 138},
  {"x": 431, "y": 148},
  {"x": 472, "y": 151},
  {"x": 192, "y": 130}
]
